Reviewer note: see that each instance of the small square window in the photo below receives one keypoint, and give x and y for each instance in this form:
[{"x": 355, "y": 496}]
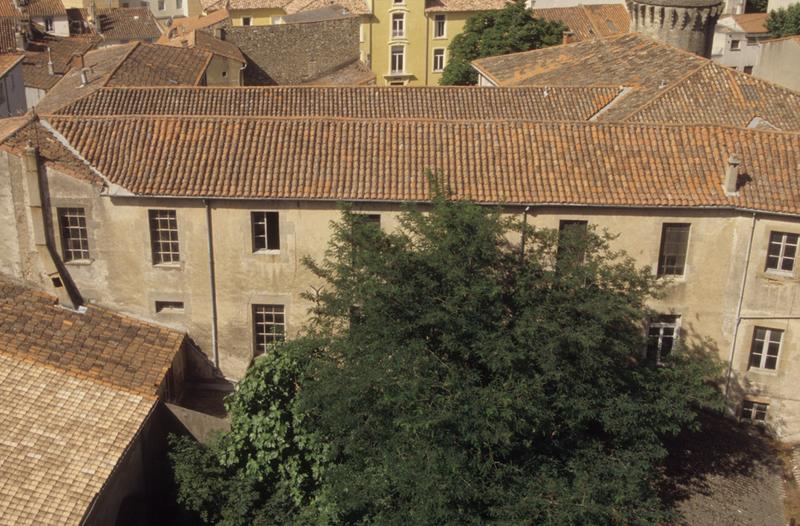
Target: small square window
[
  {"x": 164, "y": 236},
  {"x": 269, "y": 326},
  {"x": 748, "y": 70},
  {"x": 74, "y": 235},
  {"x": 246, "y": 20},
  {"x": 266, "y": 232},
  {"x": 765, "y": 348},
  {"x": 782, "y": 251},
  {"x": 735, "y": 45},
  {"x": 754, "y": 411},
  {"x": 168, "y": 307},
  {"x": 674, "y": 244}
]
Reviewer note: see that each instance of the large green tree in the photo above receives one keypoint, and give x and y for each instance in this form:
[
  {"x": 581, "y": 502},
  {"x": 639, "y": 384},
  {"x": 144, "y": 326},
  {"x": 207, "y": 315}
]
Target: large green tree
[
  {"x": 493, "y": 33},
  {"x": 784, "y": 22},
  {"x": 452, "y": 375}
]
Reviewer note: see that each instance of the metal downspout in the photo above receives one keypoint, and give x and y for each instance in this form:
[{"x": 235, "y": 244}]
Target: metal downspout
[
  {"x": 213, "y": 283},
  {"x": 739, "y": 308}
]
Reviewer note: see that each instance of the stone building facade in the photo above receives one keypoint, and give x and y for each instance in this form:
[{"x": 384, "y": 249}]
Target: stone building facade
[{"x": 186, "y": 229}]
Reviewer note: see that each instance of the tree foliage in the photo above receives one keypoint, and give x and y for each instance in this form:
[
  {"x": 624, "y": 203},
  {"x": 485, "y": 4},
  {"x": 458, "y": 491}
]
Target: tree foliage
[
  {"x": 784, "y": 22},
  {"x": 452, "y": 376},
  {"x": 493, "y": 33}
]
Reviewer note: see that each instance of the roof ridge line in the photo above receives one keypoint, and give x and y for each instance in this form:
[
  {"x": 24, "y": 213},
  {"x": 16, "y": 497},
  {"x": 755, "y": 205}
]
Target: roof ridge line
[{"x": 663, "y": 92}]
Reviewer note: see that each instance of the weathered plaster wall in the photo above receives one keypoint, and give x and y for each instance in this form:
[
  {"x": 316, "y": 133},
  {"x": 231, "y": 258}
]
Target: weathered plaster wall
[
  {"x": 780, "y": 63},
  {"x": 294, "y": 53}
]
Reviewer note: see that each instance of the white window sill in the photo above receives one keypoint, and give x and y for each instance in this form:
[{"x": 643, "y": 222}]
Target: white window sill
[
  {"x": 763, "y": 372},
  {"x": 780, "y": 274},
  {"x": 169, "y": 266},
  {"x": 267, "y": 252},
  {"x": 79, "y": 262}
]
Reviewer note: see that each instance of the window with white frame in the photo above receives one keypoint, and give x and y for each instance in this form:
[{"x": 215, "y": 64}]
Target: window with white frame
[
  {"x": 398, "y": 25},
  {"x": 266, "y": 232},
  {"x": 438, "y": 59},
  {"x": 674, "y": 244},
  {"x": 662, "y": 334},
  {"x": 781, "y": 251},
  {"x": 754, "y": 411},
  {"x": 74, "y": 236},
  {"x": 765, "y": 348},
  {"x": 398, "y": 59},
  {"x": 164, "y": 236},
  {"x": 439, "y": 27},
  {"x": 269, "y": 326}
]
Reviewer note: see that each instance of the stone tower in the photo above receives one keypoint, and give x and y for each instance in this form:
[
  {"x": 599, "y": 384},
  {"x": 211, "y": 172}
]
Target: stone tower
[{"x": 687, "y": 24}]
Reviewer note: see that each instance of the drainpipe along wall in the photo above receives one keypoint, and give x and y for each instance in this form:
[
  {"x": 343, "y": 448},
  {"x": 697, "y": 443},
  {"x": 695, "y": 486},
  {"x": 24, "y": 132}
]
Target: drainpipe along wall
[
  {"x": 43, "y": 224},
  {"x": 213, "y": 282}
]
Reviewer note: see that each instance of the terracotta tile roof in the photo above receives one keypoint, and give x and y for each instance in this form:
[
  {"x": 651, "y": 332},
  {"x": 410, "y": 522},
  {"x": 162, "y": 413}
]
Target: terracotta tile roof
[
  {"x": 99, "y": 345},
  {"x": 8, "y": 61},
  {"x": 37, "y": 8},
  {"x": 650, "y": 69},
  {"x": 60, "y": 439},
  {"x": 752, "y": 22},
  {"x": 355, "y": 73},
  {"x": 134, "y": 23},
  {"x": 589, "y": 21},
  {"x": 355, "y": 7},
  {"x": 62, "y": 50},
  {"x": 446, "y": 103},
  {"x": 100, "y": 62},
  {"x": 8, "y": 42},
  {"x": 154, "y": 65},
  {"x": 204, "y": 41},
  {"x": 491, "y": 162},
  {"x": 200, "y": 22},
  {"x": 458, "y": 6}
]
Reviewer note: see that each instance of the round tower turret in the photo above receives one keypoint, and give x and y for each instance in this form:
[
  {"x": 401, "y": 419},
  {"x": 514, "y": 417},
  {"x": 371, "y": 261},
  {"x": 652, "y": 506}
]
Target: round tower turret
[{"x": 687, "y": 24}]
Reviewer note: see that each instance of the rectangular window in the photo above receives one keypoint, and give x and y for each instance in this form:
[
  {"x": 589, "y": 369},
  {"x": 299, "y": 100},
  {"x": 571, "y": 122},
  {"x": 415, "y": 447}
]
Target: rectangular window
[
  {"x": 269, "y": 326},
  {"x": 781, "y": 252},
  {"x": 439, "y": 26},
  {"x": 754, "y": 411},
  {"x": 438, "y": 60},
  {"x": 571, "y": 237},
  {"x": 752, "y": 41},
  {"x": 674, "y": 243},
  {"x": 74, "y": 236},
  {"x": 178, "y": 4},
  {"x": 164, "y": 236},
  {"x": 735, "y": 45},
  {"x": 398, "y": 25},
  {"x": 161, "y": 5},
  {"x": 169, "y": 306},
  {"x": 662, "y": 334},
  {"x": 398, "y": 59},
  {"x": 266, "y": 234},
  {"x": 748, "y": 70},
  {"x": 246, "y": 20},
  {"x": 765, "y": 348},
  {"x": 48, "y": 24}
]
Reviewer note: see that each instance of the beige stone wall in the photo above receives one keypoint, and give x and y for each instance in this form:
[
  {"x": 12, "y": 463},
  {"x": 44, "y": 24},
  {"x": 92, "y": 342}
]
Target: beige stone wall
[
  {"x": 121, "y": 274},
  {"x": 223, "y": 71}
]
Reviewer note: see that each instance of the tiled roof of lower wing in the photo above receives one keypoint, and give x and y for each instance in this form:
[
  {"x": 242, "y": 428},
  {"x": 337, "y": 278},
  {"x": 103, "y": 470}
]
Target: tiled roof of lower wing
[
  {"x": 490, "y": 162},
  {"x": 352, "y": 102},
  {"x": 718, "y": 95}
]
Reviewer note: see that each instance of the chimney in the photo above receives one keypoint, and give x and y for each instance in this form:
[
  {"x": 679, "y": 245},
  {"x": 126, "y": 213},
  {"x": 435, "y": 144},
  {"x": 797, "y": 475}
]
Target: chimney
[
  {"x": 22, "y": 42},
  {"x": 219, "y": 33},
  {"x": 732, "y": 175},
  {"x": 50, "y": 70},
  {"x": 77, "y": 61},
  {"x": 566, "y": 37}
]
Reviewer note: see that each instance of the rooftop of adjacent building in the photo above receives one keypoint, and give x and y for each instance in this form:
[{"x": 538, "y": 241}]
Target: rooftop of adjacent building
[
  {"x": 664, "y": 84},
  {"x": 590, "y": 20},
  {"x": 118, "y": 24},
  {"x": 75, "y": 388},
  {"x": 197, "y": 39},
  {"x": 750, "y": 23}
]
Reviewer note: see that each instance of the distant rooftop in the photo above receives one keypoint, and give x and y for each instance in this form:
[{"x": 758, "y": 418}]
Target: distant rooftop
[
  {"x": 664, "y": 84},
  {"x": 589, "y": 21}
]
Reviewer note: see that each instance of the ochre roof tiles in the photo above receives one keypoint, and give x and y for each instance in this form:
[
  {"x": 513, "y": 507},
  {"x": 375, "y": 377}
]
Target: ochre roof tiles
[
  {"x": 352, "y": 102},
  {"x": 490, "y": 162},
  {"x": 588, "y": 21}
]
